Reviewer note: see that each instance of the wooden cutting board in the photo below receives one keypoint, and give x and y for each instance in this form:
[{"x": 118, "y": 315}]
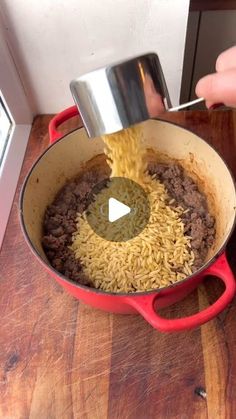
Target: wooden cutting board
[{"x": 60, "y": 359}]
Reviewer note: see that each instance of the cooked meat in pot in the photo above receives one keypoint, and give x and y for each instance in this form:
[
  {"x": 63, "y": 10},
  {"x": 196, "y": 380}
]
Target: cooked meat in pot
[{"x": 60, "y": 217}]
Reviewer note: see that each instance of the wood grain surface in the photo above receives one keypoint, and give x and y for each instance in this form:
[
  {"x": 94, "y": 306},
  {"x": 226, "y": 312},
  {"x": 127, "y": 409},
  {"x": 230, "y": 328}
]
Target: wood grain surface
[{"x": 60, "y": 359}]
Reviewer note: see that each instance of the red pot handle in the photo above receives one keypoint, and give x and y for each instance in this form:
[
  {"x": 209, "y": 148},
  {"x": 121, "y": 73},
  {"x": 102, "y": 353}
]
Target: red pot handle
[
  {"x": 145, "y": 305},
  {"x": 61, "y": 117}
]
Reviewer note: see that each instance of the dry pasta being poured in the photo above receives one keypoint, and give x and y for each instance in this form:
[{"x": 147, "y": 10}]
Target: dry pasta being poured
[{"x": 160, "y": 255}]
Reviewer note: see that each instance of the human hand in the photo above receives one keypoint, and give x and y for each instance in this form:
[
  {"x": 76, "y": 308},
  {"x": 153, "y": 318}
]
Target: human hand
[{"x": 220, "y": 87}]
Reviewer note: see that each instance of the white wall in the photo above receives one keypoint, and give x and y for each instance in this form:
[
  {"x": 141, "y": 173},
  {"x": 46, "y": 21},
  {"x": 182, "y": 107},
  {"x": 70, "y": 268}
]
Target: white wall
[{"x": 54, "y": 41}]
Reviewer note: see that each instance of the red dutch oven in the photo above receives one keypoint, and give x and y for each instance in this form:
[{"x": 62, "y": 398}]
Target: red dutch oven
[{"x": 64, "y": 159}]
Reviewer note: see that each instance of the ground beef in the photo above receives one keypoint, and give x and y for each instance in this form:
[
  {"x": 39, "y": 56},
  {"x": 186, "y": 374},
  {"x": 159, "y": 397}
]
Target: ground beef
[
  {"x": 60, "y": 217},
  {"x": 60, "y": 223},
  {"x": 199, "y": 224}
]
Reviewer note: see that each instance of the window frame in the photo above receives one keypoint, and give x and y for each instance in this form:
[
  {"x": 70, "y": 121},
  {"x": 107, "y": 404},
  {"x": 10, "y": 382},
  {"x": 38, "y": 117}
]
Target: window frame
[{"x": 17, "y": 105}]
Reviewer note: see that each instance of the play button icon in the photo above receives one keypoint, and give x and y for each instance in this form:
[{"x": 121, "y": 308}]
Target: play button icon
[{"x": 117, "y": 209}]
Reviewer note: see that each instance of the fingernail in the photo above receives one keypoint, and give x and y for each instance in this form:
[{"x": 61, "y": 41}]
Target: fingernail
[{"x": 216, "y": 106}]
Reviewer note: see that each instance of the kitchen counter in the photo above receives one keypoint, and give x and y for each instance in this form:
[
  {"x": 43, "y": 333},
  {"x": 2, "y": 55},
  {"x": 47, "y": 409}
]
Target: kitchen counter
[{"x": 61, "y": 359}]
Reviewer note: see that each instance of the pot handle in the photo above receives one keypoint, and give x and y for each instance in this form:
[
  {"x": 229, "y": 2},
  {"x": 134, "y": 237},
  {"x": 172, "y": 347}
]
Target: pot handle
[
  {"x": 57, "y": 120},
  {"x": 145, "y": 305}
]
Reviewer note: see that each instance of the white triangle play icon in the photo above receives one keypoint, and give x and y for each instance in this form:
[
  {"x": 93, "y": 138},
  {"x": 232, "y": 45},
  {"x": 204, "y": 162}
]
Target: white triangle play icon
[{"x": 116, "y": 209}]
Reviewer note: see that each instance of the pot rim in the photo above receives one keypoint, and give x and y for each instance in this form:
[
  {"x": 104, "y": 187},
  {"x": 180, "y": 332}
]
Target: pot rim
[{"x": 119, "y": 294}]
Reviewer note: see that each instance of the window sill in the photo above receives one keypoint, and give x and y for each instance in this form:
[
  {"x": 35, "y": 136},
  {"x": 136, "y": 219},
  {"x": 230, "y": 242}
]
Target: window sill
[{"x": 10, "y": 170}]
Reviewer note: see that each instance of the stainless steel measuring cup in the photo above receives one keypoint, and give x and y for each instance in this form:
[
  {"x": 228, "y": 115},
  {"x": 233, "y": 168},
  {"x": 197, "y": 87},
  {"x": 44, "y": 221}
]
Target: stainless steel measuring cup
[{"x": 119, "y": 95}]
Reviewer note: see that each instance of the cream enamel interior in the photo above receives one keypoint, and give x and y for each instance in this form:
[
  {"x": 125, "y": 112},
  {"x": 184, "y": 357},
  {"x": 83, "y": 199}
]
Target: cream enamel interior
[{"x": 67, "y": 157}]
